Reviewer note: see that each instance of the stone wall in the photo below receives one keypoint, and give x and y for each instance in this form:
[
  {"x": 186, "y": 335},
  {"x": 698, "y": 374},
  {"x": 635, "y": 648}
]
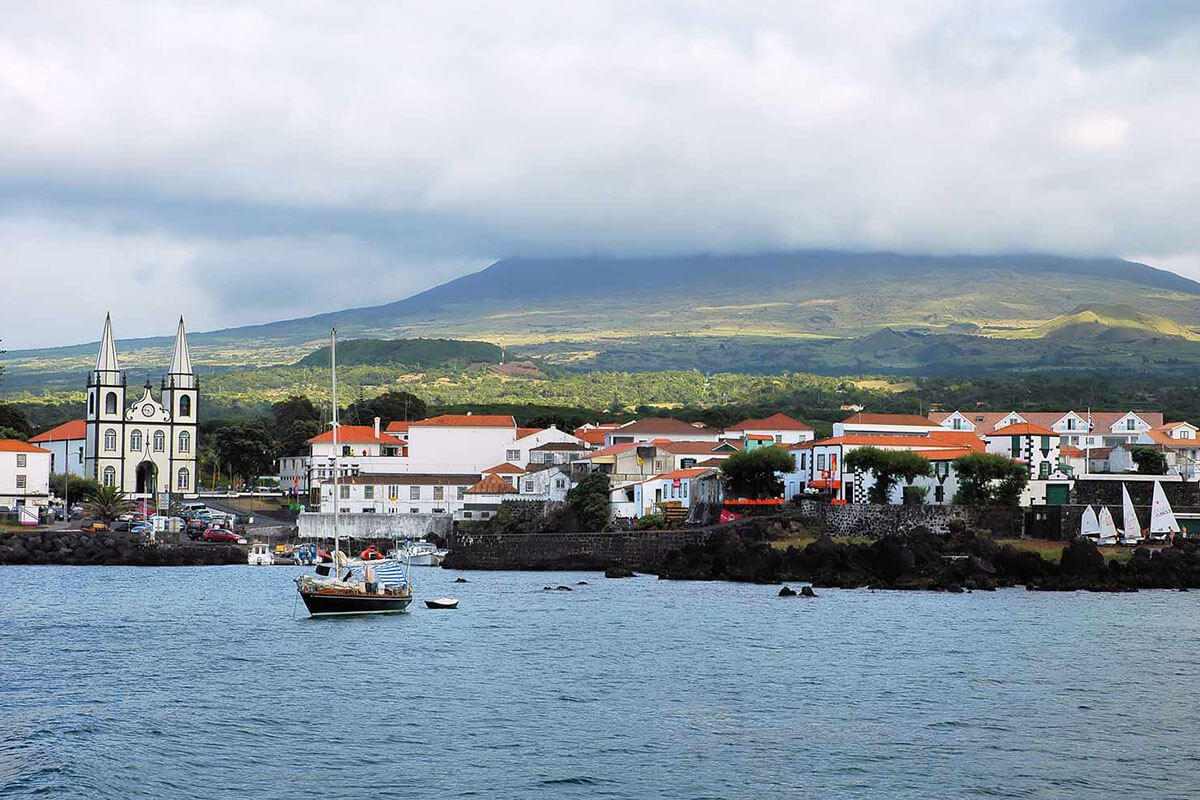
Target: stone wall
[
  {"x": 639, "y": 550},
  {"x": 1099, "y": 491},
  {"x": 875, "y": 521},
  {"x": 107, "y": 547},
  {"x": 374, "y": 526}
]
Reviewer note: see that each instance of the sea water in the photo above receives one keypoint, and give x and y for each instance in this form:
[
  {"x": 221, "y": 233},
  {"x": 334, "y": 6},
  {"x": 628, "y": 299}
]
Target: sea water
[{"x": 213, "y": 683}]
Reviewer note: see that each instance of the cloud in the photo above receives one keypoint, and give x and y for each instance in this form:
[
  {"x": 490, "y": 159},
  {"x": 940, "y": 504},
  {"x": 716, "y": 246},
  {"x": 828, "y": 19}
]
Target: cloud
[{"x": 255, "y": 160}]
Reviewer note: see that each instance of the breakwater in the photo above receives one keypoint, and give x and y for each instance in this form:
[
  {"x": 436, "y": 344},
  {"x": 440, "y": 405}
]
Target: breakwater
[{"x": 110, "y": 548}]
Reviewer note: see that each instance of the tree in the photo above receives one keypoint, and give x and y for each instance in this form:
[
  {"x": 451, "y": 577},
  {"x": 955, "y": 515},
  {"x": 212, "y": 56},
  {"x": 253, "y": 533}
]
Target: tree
[
  {"x": 887, "y": 466},
  {"x": 1149, "y": 460},
  {"x": 293, "y": 409},
  {"x": 295, "y": 438},
  {"x": 589, "y": 501},
  {"x": 72, "y": 486},
  {"x": 989, "y": 479},
  {"x": 752, "y": 474},
  {"x": 389, "y": 407},
  {"x": 107, "y": 503},
  {"x": 14, "y": 420},
  {"x": 247, "y": 448}
]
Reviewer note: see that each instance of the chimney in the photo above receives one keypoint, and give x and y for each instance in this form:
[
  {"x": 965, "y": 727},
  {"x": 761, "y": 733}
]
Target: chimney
[{"x": 377, "y": 427}]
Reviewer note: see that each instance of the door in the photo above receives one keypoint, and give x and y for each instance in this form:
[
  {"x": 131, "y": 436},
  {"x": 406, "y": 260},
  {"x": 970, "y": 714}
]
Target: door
[{"x": 1057, "y": 494}]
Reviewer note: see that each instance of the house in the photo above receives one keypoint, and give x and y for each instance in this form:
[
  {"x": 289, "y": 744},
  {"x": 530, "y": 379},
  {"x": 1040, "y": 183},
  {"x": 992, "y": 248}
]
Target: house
[
  {"x": 821, "y": 465},
  {"x": 1082, "y": 429},
  {"x": 24, "y": 474},
  {"x": 397, "y": 493},
  {"x": 864, "y": 423},
  {"x": 1178, "y": 443},
  {"x": 557, "y": 453},
  {"x": 1039, "y": 449},
  {"x": 636, "y": 461},
  {"x": 548, "y": 482},
  {"x": 647, "y": 430},
  {"x": 670, "y": 492},
  {"x": 543, "y": 442},
  {"x": 778, "y": 428},
  {"x": 398, "y": 429},
  {"x": 483, "y": 498},
  {"x": 460, "y": 443},
  {"x": 360, "y": 449},
  {"x": 592, "y": 434},
  {"x": 66, "y": 444}
]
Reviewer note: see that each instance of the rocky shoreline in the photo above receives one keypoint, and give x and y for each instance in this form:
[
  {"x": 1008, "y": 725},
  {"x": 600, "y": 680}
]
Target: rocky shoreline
[
  {"x": 919, "y": 560},
  {"x": 106, "y": 548}
]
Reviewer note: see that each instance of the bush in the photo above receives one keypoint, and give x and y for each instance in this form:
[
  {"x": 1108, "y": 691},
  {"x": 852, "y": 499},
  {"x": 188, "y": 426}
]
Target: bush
[
  {"x": 589, "y": 501},
  {"x": 753, "y": 474},
  {"x": 652, "y": 522},
  {"x": 915, "y": 495}
]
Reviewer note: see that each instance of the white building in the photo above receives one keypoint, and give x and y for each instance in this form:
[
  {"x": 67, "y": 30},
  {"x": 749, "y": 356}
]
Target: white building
[
  {"x": 534, "y": 445},
  {"x": 148, "y": 448},
  {"x": 781, "y": 429},
  {"x": 1178, "y": 443},
  {"x": 1036, "y": 447},
  {"x": 24, "y": 474},
  {"x": 66, "y": 445},
  {"x": 1081, "y": 429},
  {"x": 867, "y": 424},
  {"x": 460, "y": 443},
  {"x": 652, "y": 428},
  {"x": 672, "y": 490},
  {"x": 406, "y": 493}
]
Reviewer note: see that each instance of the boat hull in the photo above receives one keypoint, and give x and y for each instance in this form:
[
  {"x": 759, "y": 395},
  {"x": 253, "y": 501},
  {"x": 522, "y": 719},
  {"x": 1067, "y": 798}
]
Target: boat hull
[{"x": 321, "y": 604}]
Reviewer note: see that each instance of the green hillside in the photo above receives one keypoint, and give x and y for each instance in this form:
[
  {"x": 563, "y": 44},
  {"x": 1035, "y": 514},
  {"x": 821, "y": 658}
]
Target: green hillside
[{"x": 409, "y": 352}]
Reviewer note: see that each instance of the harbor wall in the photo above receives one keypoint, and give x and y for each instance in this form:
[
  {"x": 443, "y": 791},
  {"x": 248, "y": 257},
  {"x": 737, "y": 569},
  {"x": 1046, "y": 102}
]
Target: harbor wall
[
  {"x": 109, "y": 548},
  {"x": 374, "y": 526},
  {"x": 867, "y": 521},
  {"x": 638, "y": 550}
]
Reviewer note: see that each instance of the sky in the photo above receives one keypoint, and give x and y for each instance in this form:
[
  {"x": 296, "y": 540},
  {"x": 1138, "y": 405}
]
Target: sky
[{"x": 242, "y": 162}]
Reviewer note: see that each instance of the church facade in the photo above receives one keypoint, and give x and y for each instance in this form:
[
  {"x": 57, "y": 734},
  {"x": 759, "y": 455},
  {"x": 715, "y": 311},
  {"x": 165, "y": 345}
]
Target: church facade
[{"x": 145, "y": 447}]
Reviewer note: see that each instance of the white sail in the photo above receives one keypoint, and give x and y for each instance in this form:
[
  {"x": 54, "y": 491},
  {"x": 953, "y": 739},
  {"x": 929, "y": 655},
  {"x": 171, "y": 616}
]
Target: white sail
[
  {"x": 1162, "y": 518},
  {"x": 1089, "y": 526},
  {"x": 1108, "y": 528},
  {"x": 1131, "y": 529}
]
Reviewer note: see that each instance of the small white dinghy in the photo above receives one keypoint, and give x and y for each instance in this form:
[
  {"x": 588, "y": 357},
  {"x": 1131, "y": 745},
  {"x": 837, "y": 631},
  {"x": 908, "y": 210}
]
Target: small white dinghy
[
  {"x": 442, "y": 602},
  {"x": 1089, "y": 524},
  {"x": 1131, "y": 530},
  {"x": 1108, "y": 528}
]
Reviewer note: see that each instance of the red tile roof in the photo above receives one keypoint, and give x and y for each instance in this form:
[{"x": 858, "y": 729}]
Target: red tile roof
[
  {"x": 594, "y": 436},
  {"x": 75, "y": 429},
  {"x": 1023, "y": 429},
  {"x": 760, "y": 437},
  {"x": 866, "y": 439},
  {"x": 492, "y": 484},
  {"x": 967, "y": 439},
  {"x": 613, "y": 450},
  {"x": 17, "y": 446},
  {"x": 467, "y": 421},
  {"x": 912, "y": 420},
  {"x": 679, "y": 474},
  {"x": 398, "y": 427},
  {"x": 689, "y": 448},
  {"x": 504, "y": 469},
  {"x": 650, "y": 425},
  {"x": 354, "y": 434},
  {"x": 523, "y": 432},
  {"x": 776, "y": 422}
]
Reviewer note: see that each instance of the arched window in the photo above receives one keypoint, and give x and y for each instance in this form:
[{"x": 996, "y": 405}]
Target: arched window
[
  {"x": 91, "y": 403},
  {"x": 110, "y": 476},
  {"x": 110, "y": 439},
  {"x": 185, "y": 442},
  {"x": 135, "y": 441},
  {"x": 185, "y": 406},
  {"x": 160, "y": 441},
  {"x": 185, "y": 478},
  {"x": 110, "y": 403}
]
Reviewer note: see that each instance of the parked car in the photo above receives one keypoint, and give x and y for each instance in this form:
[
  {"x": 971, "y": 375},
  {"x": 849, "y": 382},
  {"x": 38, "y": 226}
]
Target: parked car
[{"x": 221, "y": 535}]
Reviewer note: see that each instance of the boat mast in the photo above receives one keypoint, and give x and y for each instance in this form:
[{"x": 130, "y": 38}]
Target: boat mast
[{"x": 336, "y": 451}]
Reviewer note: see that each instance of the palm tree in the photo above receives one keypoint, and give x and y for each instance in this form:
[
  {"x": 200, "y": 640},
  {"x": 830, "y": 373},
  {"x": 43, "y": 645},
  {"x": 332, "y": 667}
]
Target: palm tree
[{"x": 107, "y": 503}]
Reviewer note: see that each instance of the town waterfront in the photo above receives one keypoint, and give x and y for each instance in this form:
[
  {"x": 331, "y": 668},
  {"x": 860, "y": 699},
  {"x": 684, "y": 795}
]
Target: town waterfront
[{"x": 200, "y": 682}]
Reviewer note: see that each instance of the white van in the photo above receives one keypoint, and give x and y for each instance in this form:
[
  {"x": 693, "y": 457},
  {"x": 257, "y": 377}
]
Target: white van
[{"x": 193, "y": 507}]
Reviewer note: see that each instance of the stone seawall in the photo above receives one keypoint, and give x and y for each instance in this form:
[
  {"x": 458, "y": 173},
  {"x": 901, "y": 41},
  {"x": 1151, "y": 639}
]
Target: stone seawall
[
  {"x": 108, "y": 548},
  {"x": 874, "y": 521},
  {"x": 638, "y": 550}
]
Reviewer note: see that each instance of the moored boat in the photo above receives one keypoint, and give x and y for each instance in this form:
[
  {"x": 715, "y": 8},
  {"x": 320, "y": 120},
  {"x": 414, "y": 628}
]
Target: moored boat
[
  {"x": 260, "y": 556},
  {"x": 442, "y": 602}
]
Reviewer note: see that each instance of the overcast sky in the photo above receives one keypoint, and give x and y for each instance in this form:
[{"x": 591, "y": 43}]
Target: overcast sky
[{"x": 243, "y": 162}]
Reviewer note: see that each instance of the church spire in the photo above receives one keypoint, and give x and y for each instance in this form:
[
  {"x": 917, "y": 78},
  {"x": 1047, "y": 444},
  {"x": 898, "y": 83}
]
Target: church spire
[
  {"x": 106, "y": 359},
  {"x": 181, "y": 360}
]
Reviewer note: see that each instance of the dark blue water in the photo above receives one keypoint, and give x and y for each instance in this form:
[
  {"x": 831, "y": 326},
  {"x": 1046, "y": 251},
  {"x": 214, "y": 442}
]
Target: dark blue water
[{"x": 182, "y": 683}]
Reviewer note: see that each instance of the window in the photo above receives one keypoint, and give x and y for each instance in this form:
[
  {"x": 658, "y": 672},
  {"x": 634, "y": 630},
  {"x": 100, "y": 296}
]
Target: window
[
  {"x": 1016, "y": 446},
  {"x": 658, "y": 467},
  {"x": 803, "y": 459},
  {"x": 20, "y": 481},
  {"x": 110, "y": 476},
  {"x": 466, "y": 515},
  {"x": 160, "y": 441},
  {"x": 81, "y": 455},
  {"x": 1044, "y": 470},
  {"x": 1130, "y": 424},
  {"x": 779, "y": 438},
  {"x": 393, "y": 492},
  {"x": 368, "y": 510},
  {"x": 957, "y": 424},
  {"x": 1046, "y": 443},
  {"x": 185, "y": 406},
  {"x": 185, "y": 442},
  {"x": 821, "y": 461},
  {"x": 185, "y": 479},
  {"x": 414, "y": 493},
  {"x": 528, "y": 487},
  {"x": 110, "y": 439},
  {"x": 1070, "y": 423},
  {"x": 414, "y": 511},
  {"x": 462, "y": 492},
  {"x": 110, "y": 403},
  {"x": 91, "y": 404},
  {"x": 939, "y": 494},
  {"x": 439, "y": 493},
  {"x": 343, "y": 492},
  {"x": 560, "y": 483},
  {"x": 135, "y": 441},
  {"x": 368, "y": 492},
  {"x": 346, "y": 450},
  {"x": 687, "y": 463},
  {"x": 512, "y": 455},
  {"x": 21, "y": 459}
]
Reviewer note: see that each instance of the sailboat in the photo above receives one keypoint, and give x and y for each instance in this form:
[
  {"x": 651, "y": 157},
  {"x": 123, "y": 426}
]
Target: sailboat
[
  {"x": 353, "y": 586},
  {"x": 1108, "y": 528},
  {"x": 1089, "y": 525},
  {"x": 1162, "y": 518},
  {"x": 1131, "y": 529}
]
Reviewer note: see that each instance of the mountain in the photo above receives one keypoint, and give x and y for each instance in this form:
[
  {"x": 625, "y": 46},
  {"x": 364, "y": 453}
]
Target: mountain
[
  {"x": 824, "y": 311},
  {"x": 410, "y": 352}
]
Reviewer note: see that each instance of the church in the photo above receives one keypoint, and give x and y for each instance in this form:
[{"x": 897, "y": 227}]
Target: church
[{"x": 147, "y": 447}]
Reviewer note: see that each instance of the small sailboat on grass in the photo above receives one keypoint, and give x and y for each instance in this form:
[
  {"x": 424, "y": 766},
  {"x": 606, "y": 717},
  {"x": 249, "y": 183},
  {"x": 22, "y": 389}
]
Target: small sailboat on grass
[
  {"x": 1108, "y": 528},
  {"x": 1163, "y": 524},
  {"x": 1131, "y": 528}
]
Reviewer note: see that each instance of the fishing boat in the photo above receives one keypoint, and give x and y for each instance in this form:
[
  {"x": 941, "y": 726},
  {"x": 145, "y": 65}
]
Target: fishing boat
[
  {"x": 352, "y": 586},
  {"x": 1089, "y": 524},
  {"x": 1131, "y": 528},
  {"x": 260, "y": 556},
  {"x": 422, "y": 554},
  {"x": 1108, "y": 528},
  {"x": 1163, "y": 524}
]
